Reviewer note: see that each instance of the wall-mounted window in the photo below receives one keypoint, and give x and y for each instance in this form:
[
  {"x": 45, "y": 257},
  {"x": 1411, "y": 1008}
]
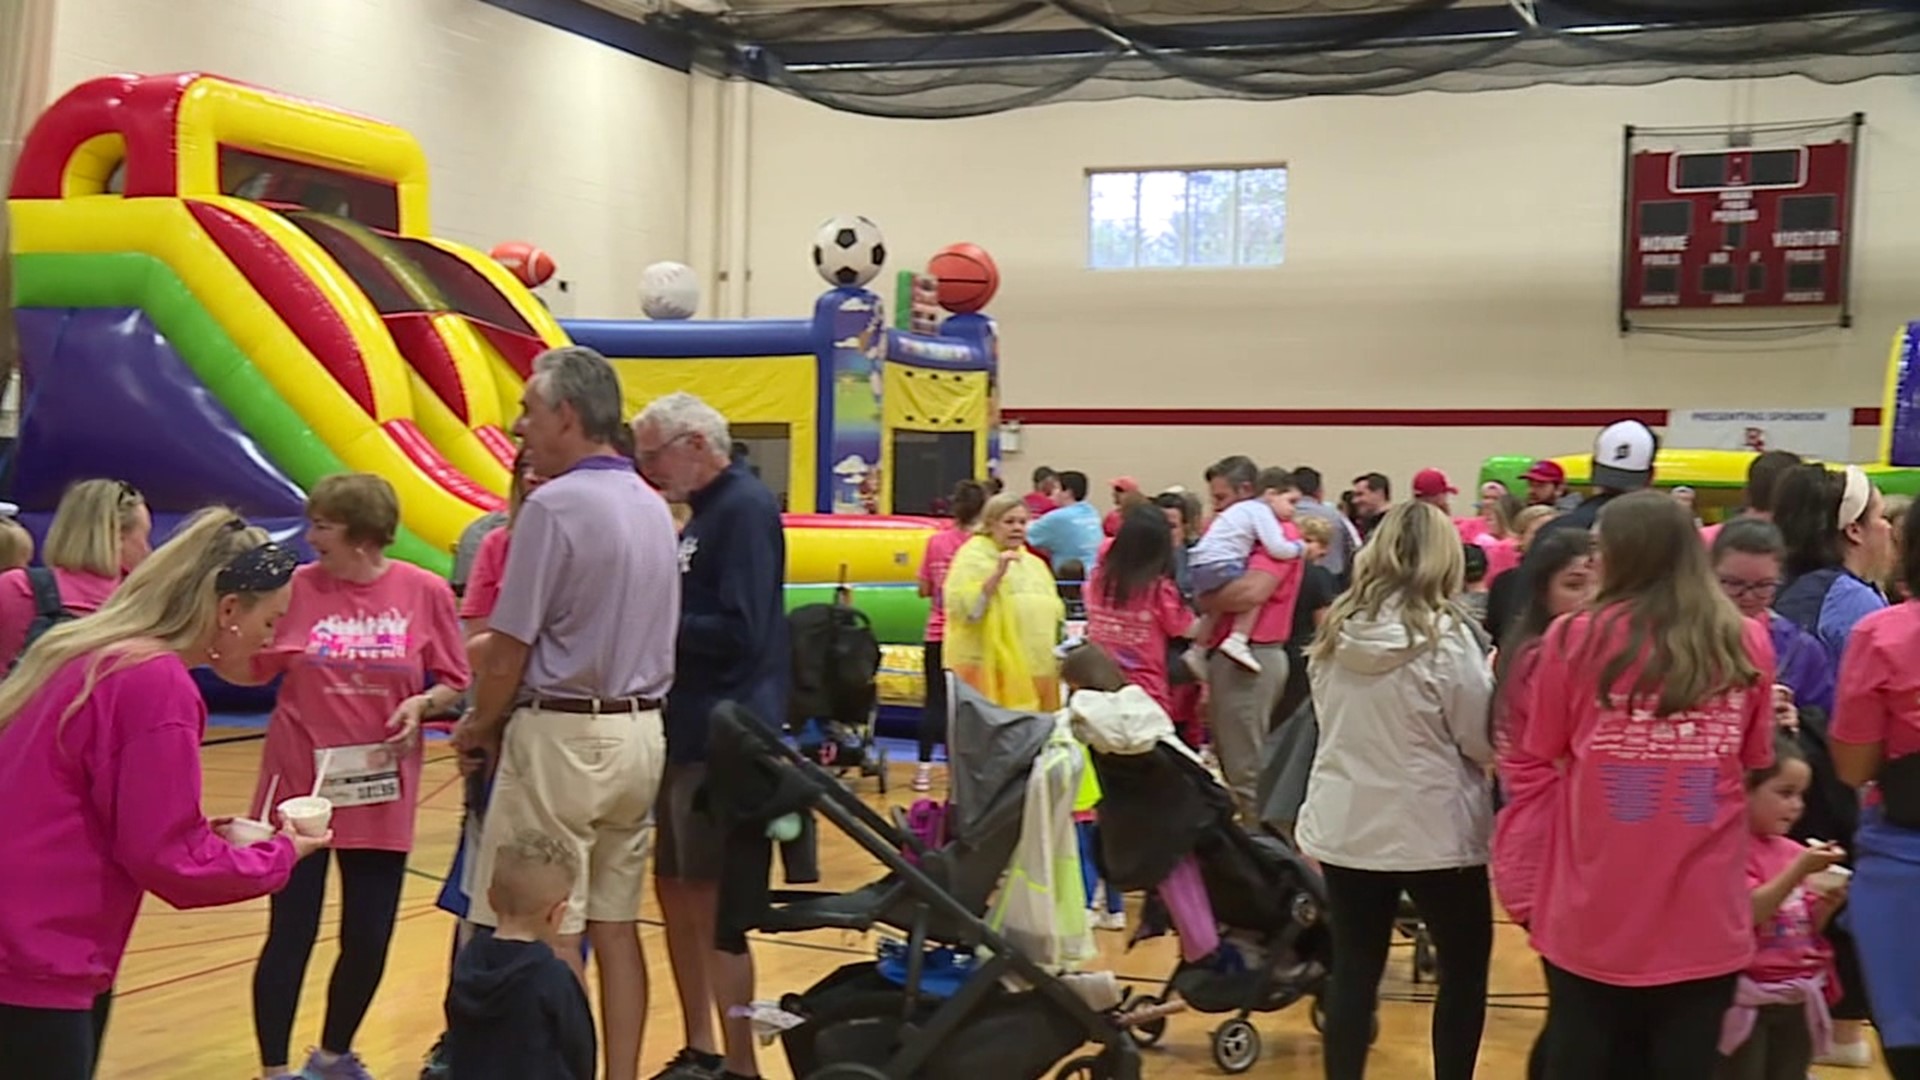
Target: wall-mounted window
[{"x": 1168, "y": 218}]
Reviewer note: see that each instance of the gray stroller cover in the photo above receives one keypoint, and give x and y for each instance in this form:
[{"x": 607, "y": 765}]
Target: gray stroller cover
[
  {"x": 990, "y": 750},
  {"x": 1286, "y": 760}
]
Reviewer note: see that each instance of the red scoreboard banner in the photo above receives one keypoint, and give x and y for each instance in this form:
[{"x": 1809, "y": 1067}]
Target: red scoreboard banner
[{"x": 1750, "y": 226}]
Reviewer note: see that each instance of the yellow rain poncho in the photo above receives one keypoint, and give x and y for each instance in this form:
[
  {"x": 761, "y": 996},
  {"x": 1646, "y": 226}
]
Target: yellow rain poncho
[{"x": 1007, "y": 653}]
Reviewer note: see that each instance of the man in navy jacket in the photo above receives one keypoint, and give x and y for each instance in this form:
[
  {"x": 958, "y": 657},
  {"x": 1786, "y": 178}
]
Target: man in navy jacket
[{"x": 732, "y": 646}]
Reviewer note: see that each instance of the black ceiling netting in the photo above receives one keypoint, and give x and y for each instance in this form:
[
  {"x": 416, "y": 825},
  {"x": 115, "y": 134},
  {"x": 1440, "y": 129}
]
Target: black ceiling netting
[{"x": 940, "y": 60}]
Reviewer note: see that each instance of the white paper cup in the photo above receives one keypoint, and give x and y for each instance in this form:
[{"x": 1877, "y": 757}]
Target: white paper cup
[
  {"x": 308, "y": 814},
  {"x": 245, "y": 832}
]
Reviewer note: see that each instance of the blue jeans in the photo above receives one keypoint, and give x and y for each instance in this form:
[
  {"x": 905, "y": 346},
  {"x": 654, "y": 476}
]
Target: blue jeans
[{"x": 1090, "y": 865}]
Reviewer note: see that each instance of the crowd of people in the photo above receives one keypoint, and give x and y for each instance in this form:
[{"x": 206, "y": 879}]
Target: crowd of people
[{"x": 1683, "y": 759}]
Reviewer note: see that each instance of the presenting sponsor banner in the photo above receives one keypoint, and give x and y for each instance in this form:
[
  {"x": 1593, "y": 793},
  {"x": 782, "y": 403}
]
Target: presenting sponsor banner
[{"x": 1822, "y": 433}]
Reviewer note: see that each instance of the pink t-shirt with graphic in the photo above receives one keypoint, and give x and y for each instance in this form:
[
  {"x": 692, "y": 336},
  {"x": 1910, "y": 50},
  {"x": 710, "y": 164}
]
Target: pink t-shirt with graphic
[
  {"x": 1645, "y": 883},
  {"x": 1136, "y": 633},
  {"x": 483, "y": 581},
  {"x": 1523, "y": 830},
  {"x": 352, "y": 653},
  {"x": 80, "y": 592},
  {"x": 1877, "y": 699},
  {"x": 933, "y": 575},
  {"x": 1789, "y": 945}
]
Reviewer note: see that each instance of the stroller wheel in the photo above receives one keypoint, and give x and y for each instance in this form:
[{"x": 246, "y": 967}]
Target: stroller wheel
[
  {"x": 1152, "y": 1031},
  {"x": 846, "y": 1070},
  {"x": 1082, "y": 1068},
  {"x": 1236, "y": 1046}
]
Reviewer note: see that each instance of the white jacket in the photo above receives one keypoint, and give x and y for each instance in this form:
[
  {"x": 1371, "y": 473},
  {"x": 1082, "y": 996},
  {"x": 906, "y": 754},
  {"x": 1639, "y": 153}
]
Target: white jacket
[{"x": 1399, "y": 780}]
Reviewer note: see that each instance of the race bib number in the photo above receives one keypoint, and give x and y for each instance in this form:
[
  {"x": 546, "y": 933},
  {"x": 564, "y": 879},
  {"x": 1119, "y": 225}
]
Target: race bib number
[{"x": 360, "y": 775}]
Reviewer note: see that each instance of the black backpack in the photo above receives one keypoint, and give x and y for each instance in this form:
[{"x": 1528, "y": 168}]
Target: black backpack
[
  {"x": 836, "y": 665},
  {"x": 48, "y": 611}
]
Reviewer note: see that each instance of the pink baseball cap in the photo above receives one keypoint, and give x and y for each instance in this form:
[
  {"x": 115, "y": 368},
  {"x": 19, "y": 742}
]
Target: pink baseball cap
[{"x": 1430, "y": 482}]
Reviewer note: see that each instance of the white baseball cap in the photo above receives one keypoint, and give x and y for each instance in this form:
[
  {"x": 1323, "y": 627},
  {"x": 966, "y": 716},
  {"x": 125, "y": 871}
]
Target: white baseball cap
[{"x": 1623, "y": 456}]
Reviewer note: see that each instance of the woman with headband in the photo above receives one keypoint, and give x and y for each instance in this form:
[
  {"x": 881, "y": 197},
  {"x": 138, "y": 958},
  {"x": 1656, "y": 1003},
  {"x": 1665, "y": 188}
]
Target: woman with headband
[
  {"x": 100, "y": 730},
  {"x": 1839, "y": 545}
]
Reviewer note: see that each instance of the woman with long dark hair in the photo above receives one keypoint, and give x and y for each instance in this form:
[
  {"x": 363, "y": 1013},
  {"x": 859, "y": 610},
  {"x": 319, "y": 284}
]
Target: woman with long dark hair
[
  {"x": 969, "y": 497},
  {"x": 1838, "y": 545},
  {"x": 1134, "y": 609},
  {"x": 1654, "y": 702},
  {"x": 1562, "y": 581}
]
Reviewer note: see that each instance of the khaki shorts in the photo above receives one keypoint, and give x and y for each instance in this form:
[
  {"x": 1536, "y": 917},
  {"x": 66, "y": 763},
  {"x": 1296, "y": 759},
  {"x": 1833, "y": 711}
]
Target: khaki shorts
[
  {"x": 588, "y": 781},
  {"x": 692, "y": 845}
]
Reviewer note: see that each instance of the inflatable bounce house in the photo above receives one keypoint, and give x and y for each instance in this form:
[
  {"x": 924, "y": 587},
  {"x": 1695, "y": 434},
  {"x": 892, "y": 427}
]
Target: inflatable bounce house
[
  {"x": 1719, "y": 477},
  {"x": 225, "y": 294}
]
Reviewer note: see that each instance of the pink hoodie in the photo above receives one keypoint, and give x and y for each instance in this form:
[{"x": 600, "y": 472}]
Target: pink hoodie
[
  {"x": 99, "y": 809},
  {"x": 1524, "y": 827}
]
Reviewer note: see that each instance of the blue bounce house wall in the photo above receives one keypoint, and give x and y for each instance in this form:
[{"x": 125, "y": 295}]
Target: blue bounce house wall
[{"x": 1903, "y": 443}]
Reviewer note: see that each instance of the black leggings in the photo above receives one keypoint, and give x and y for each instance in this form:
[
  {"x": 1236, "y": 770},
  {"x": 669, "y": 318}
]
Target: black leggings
[
  {"x": 53, "y": 1044},
  {"x": 369, "y": 901},
  {"x": 933, "y": 715},
  {"x": 1457, "y": 908},
  {"x": 1605, "y": 1032}
]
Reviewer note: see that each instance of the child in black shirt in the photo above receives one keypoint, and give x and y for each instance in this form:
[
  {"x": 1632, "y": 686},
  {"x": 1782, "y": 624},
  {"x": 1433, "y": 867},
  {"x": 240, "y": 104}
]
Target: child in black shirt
[{"x": 515, "y": 1011}]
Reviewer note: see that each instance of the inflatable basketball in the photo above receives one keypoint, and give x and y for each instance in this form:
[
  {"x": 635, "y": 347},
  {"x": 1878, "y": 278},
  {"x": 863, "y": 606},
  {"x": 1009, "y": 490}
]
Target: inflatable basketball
[{"x": 967, "y": 276}]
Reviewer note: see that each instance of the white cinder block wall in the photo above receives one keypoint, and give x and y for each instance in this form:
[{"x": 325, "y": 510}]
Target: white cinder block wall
[{"x": 532, "y": 133}]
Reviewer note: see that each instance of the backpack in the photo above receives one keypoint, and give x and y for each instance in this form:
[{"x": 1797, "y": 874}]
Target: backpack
[
  {"x": 48, "y": 611},
  {"x": 836, "y": 665}
]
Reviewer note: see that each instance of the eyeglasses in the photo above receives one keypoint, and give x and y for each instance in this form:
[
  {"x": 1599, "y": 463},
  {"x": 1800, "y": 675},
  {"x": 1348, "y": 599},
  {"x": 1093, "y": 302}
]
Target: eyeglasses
[
  {"x": 646, "y": 457},
  {"x": 1739, "y": 589}
]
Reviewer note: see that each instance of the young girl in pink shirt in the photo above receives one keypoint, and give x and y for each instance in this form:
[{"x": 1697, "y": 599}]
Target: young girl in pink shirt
[
  {"x": 1779, "y": 1018},
  {"x": 969, "y": 498},
  {"x": 1134, "y": 608},
  {"x": 100, "y": 730},
  {"x": 1653, "y": 704}
]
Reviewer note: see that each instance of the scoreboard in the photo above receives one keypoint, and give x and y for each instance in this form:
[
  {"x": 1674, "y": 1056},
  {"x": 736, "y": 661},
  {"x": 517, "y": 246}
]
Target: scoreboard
[{"x": 1738, "y": 227}]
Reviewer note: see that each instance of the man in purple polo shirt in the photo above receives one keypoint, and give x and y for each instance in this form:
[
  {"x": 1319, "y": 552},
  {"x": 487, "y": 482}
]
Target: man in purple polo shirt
[{"x": 579, "y": 661}]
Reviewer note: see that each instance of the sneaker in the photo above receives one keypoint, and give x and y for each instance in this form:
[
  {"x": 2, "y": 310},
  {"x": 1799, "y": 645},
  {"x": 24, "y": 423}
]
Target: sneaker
[
  {"x": 1196, "y": 660},
  {"x": 1110, "y": 920},
  {"x": 347, "y": 1066},
  {"x": 923, "y": 777},
  {"x": 691, "y": 1064},
  {"x": 1236, "y": 650},
  {"x": 1853, "y": 1055}
]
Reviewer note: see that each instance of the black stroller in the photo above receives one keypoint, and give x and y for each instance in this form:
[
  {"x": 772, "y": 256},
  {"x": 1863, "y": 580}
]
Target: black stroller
[
  {"x": 857, "y": 1023},
  {"x": 1158, "y": 807}
]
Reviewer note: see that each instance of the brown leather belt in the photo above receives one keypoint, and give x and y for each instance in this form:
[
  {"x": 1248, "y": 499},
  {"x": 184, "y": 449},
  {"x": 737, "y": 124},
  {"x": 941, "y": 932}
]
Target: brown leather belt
[{"x": 595, "y": 706}]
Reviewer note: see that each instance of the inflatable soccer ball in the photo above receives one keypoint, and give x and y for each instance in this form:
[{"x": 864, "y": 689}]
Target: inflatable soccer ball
[{"x": 849, "y": 251}]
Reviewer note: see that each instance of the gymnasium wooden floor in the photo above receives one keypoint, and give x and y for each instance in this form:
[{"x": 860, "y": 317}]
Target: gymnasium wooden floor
[{"x": 183, "y": 998}]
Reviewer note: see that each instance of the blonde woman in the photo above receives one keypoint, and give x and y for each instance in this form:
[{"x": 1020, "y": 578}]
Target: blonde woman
[
  {"x": 1398, "y": 799},
  {"x": 1003, "y": 612},
  {"x": 100, "y": 732},
  {"x": 101, "y": 530}
]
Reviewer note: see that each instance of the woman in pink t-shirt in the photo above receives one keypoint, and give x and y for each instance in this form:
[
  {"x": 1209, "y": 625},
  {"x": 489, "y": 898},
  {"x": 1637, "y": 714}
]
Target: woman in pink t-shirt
[
  {"x": 100, "y": 731},
  {"x": 1875, "y": 741},
  {"x": 369, "y": 648},
  {"x": 1134, "y": 609},
  {"x": 101, "y": 530},
  {"x": 1654, "y": 704},
  {"x": 969, "y": 498}
]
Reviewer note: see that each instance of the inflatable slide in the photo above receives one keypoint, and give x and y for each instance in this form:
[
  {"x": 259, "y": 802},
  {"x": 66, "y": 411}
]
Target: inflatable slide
[{"x": 226, "y": 293}]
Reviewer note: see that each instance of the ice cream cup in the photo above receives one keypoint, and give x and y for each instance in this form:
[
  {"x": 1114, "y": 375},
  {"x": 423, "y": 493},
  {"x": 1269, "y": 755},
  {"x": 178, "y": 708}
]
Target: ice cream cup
[{"x": 308, "y": 814}]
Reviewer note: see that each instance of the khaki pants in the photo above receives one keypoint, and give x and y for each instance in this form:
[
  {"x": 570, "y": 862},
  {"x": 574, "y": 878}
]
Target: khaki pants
[
  {"x": 1239, "y": 711},
  {"x": 586, "y": 781}
]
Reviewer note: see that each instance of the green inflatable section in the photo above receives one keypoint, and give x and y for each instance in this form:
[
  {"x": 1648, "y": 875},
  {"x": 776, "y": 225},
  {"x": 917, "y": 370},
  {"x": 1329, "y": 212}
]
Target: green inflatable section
[
  {"x": 130, "y": 279},
  {"x": 898, "y": 612}
]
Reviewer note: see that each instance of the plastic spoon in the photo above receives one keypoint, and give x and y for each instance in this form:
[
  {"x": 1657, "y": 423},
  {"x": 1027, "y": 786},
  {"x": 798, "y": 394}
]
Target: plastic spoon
[
  {"x": 267, "y": 807},
  {"x": 320, "y": 775}
]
